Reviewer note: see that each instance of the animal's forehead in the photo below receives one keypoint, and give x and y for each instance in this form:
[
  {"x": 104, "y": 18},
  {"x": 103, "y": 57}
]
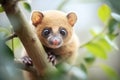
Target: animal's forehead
[
  {"x": 55, "y": 21},
  {"x": 54, "y": 17},
  {"x": 54, "y": 24}
]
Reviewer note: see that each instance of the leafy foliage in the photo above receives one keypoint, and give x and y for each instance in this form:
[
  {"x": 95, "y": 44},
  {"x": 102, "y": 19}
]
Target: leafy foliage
[
  {"x": 4, "y": 49},
  {"x": 4, "y": 32},
  {"x": 7, "y": 67},
  {"x": 1, "y": 9},
  {"x": 104, "y": 12},
  {"x": 109, "y": 72},
  {"x": 97, "y": 50},
  {"x": 112, "y": 26},
  {"x": 116, "y": 17},
  {"x": 102, "y": 41},
  {"x": 89, "y": 59},
  {"x": 83, "y": 67},
  {"x": 27, "y": 6}
]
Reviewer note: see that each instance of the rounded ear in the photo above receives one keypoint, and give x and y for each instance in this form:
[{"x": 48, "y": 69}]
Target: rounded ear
[
  {"x": 36, "y": 18},
  {"x": 72, "y": 18}
]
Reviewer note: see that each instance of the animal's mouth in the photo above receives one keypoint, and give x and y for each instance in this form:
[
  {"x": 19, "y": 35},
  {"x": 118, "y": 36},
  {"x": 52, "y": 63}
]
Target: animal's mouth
[{"x": 55, "y": 45}]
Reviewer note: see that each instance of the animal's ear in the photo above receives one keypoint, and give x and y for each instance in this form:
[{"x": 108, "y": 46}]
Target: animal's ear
[
  {"x": 36, "y": 18},
  {"x": 72, "y": 18}
]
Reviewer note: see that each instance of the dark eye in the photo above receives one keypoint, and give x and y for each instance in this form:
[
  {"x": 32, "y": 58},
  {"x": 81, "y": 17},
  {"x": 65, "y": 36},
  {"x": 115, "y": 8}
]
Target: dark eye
[
  {"x": 63, "y": 32},
  {"x": 46, "y": 32}
]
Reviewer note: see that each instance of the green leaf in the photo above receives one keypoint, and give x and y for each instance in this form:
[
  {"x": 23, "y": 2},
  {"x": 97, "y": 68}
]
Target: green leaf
[
  {"x": 27, "y": 6},
  {"x": 116, "y": 16},
  {"x": 1, "y": 9},
  {"x": 77, "y": 74},
  {"x": 5, "y": 52},
  {"x": 104, "y": 41},
  {"x": 111, "y": 43},
  {"x": 109, "y": 71},
  {"x": 112, "y": 36},
  {"x": 10, "y": 52},
  {"x": 113, "y": 24},
  {"x": 83, "y": 67},
  {"x": 96, "y": 50},
  {"x": 4, "y": 32},
  {"x": 16, "y": 43},
  {"x": 104, "y": 44},
  {"x": 89, "y": 58},
  {"x": 104, "y": 13},
  {"x": 7, "y": 67}
]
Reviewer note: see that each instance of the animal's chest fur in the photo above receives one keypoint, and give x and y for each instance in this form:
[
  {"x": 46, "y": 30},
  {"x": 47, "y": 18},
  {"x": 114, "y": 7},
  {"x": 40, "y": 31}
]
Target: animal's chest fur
[{"x": 62, "y": 52}]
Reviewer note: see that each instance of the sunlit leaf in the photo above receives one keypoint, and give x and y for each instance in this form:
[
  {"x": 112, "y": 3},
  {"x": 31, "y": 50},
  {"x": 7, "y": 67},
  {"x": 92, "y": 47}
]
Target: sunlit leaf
[
  {"x": 96, "y": 50},
  {"x": 1, "y": 9},
  {"x": 104, "y": 44},
  {"x": 16, "y": 43},
  {"x": 104, "y": 12},
  {"x": 109, "y": 72},
  {"x": 104, "y": 41},
  {"x": 116, "y": 16},
  {"x": 27, "y": 6}
]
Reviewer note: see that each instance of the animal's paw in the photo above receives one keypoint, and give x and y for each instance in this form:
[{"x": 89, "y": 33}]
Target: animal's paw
[
  {"x": 52, "y": 58},
  {"x": 27, "y": 61}
]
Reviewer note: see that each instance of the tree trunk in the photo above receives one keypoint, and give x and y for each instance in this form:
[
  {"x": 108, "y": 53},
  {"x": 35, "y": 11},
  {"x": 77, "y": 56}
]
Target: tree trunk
[{"x": 28, "y": 37}]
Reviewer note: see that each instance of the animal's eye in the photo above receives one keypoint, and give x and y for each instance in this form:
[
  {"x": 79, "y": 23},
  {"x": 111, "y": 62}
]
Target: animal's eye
[
  {"x": 46, "y": 32},
  {"x": 63, "y": 32}
]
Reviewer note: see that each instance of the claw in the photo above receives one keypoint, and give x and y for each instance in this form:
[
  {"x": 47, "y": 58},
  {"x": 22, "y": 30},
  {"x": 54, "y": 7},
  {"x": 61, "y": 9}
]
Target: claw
[
  {"x": 27, "y": 61},
  {"x": 52, "y": 58}
]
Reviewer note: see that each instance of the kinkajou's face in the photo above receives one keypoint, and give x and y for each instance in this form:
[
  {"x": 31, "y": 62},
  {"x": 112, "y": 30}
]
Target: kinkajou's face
[
  {"x": 54, "y": 38},
  {"x": 54, "y": 28}
]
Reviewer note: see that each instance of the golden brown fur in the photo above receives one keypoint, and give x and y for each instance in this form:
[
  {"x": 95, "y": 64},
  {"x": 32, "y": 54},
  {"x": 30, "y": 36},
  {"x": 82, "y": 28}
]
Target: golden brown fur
[{"x": 56, "y": 19}]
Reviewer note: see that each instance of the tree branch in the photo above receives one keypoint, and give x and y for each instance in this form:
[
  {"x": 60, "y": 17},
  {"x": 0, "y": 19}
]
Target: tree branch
[
  {"x": 28, "y": 38},
  {"x": 11, "y": 37}
]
